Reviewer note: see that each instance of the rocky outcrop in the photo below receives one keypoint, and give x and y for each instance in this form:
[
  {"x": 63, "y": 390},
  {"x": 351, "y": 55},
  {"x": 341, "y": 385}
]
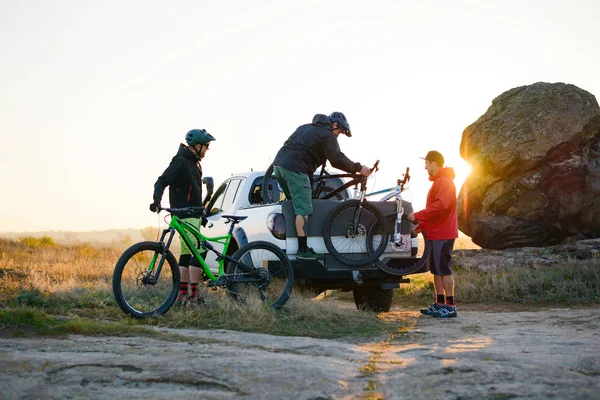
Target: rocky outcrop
[
  {"x": 535, "y": 156},
  {"x": 493, "y": 260}
]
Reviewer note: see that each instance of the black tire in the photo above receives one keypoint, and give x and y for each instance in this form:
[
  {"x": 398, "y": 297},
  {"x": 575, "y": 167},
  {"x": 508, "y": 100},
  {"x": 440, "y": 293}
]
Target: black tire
[
  {"x": 266, "y": 188},
  {"x": 280, "y": 274},
  {"x": 373, "y": 298},
  {"x": 142, "y": 300},
  {"x": 373, "y": 239},
  {"x": 350, "y": 248}
]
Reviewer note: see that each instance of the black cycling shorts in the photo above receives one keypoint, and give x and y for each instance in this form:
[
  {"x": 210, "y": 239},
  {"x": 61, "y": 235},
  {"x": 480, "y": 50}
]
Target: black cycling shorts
[{"x": 440, "y": 255}]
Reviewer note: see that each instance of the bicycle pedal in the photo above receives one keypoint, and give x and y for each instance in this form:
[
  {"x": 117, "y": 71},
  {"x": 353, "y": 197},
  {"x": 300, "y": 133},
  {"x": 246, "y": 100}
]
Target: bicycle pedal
[{"x": 221, "y": 281}]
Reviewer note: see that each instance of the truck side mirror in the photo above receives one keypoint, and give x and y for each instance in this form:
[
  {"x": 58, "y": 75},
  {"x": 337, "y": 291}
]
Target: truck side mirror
[{"x": 210, "y": 187}]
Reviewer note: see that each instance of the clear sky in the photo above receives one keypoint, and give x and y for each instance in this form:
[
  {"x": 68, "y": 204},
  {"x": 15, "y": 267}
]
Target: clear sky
[{"x": 95, "y": 96}]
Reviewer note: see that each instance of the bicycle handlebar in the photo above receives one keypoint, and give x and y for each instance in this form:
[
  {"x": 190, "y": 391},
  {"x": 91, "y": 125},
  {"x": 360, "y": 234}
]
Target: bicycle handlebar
[
  {"x": 188, "y": 212},
  {"x": 182, "y": 210},
  {"x": 375, "y": 166},
  {"x": 404, "y": 181}
]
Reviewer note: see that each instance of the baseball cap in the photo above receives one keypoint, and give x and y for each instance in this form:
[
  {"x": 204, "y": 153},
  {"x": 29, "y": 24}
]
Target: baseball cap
[{"x": 434, "y": 156}]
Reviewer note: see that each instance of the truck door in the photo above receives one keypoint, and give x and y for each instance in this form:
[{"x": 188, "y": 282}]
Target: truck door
[{"x": 221, "y": 203}]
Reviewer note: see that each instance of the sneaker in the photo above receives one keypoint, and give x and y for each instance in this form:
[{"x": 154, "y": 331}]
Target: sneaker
[
  {"x": 431, "y": 309},
  {"x": 446, "y": 311},
  {"x": 309, "y": 254}
]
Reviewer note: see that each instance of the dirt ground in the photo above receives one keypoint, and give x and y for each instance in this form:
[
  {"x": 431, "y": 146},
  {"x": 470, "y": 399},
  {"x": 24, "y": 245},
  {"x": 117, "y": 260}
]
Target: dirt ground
[{"x": 484, "y": 353}]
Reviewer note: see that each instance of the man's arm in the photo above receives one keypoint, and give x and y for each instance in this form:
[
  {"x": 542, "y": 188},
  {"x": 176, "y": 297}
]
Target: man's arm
[
  {"x": 337, "y": 158},
  {"x": 167, "y": 178},
  {"x": 444, "y": 198}
]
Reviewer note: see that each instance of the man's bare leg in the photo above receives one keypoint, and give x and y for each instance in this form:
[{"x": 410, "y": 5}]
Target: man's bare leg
[
  {"x": 302, "y": 225},
  {"x": 438, "y": 285},
  {"x": 448, "y": 284}
]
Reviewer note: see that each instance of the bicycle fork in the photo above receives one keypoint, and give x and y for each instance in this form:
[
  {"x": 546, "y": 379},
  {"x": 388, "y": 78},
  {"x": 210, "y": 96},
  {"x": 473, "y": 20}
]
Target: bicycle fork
[
  {"x": 356, "y": 220},
  {"x": 153, "y": 271}
]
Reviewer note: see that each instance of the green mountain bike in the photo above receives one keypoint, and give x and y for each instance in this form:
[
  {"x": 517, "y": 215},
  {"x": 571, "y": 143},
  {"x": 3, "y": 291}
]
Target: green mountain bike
[{"x": 146, "y": 277}]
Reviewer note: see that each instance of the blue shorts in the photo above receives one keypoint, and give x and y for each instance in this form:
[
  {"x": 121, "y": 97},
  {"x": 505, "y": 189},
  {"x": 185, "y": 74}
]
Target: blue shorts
[{"x": 440, "y": 255}]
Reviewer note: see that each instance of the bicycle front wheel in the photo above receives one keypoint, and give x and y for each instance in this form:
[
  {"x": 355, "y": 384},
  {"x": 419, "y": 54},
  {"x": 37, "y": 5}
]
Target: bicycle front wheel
[
  {"x": 137, "y": 292},
  {"x": 275, "y": 269},
  {"x": 345, "y": 234}
]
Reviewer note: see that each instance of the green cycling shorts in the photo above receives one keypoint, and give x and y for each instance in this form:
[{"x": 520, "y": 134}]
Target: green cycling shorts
[
  {"x": 184, "y": 248},
  {"x": 296, "y": 186}
]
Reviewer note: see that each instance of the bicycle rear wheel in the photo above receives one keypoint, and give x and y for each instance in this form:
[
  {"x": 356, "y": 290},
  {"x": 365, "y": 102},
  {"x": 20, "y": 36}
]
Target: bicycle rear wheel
[
  {"x": 274, "y": 267},
  {"x": 135, "y": 294},
  {"x": 267, "y": 185},
  {"x": 396, "y": 266},
  {"x": 346, "y": 242}
]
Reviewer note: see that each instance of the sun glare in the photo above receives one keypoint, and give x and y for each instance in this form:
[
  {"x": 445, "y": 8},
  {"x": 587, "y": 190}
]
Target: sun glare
[{"x": 462, "y": 169}]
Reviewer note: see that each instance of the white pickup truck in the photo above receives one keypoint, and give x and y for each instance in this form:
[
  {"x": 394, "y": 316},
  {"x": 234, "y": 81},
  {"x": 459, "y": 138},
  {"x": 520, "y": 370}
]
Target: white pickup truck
[{"x": 371, "y": 286}]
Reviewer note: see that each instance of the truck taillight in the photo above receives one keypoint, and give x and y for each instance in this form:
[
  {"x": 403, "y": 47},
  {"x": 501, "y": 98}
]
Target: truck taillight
[{"x": 276, "y": 224}]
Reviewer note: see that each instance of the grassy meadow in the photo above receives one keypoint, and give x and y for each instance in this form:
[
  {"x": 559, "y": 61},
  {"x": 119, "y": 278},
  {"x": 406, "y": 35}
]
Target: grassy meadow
[{"x": 47, "y": 288}]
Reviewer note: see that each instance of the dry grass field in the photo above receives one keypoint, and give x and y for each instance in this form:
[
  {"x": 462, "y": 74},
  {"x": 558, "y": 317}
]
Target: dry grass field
[{"x": 51, "y": 288}]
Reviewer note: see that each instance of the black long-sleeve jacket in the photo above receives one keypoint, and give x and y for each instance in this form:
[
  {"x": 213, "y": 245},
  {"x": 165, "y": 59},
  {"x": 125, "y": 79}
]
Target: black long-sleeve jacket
[
  {"x": 310, "y": 146},
  {"x": 184, "y": 178}
]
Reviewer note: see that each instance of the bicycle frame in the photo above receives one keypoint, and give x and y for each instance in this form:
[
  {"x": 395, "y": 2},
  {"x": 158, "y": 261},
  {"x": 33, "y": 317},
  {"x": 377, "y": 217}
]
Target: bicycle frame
[
  {"x": 355, "y": 181},
  {"x": 395, "y": 192},
  {"x": 183, "y": 227}
]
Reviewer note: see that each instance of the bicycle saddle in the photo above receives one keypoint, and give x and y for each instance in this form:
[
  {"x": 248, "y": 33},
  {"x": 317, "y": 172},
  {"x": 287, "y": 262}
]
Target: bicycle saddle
[{"x": 234, "y": 218}]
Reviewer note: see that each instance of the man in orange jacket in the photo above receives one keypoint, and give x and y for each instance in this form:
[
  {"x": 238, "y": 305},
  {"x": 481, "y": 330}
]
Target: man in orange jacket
[{"x": 439, "y": 223}]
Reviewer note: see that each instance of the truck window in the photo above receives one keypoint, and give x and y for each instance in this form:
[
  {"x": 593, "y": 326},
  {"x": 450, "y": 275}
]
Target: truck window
[
  {"x": 230, "y": 194},
  {"x": 215, "y": 203},
  {"x": 224, "y": 196},
  {"x": 256, "y": 191}
]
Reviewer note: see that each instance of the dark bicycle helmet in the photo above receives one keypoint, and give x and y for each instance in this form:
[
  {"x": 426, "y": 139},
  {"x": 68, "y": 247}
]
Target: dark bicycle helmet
[
  {"x": 340, "y": 118},
  {"x": 198, "y": 136}
]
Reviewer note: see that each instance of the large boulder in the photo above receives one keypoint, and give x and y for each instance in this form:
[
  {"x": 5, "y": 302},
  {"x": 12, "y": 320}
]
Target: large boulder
[{"x": 535, "y": 156}]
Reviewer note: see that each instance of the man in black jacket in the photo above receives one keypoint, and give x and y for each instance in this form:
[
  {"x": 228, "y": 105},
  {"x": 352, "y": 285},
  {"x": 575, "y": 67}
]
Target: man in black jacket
[
  {"x": 296, "y": 162},
  {"x": 184, "y": 178}
]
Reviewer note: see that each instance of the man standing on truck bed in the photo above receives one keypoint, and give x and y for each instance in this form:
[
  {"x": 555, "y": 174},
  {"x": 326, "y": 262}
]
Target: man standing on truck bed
[
  {"x": 309, "y": 147},
  {"x": 439, "y": 222}
]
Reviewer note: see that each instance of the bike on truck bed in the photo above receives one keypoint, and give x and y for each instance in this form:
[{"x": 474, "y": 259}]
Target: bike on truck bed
[
  {"x": 399, "y": 239},
  {"x": 146, "y": 277},
  {"x": 346, "y": 228}
]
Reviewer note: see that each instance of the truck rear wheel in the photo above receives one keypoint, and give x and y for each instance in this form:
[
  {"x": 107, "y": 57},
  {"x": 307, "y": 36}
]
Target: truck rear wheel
[{"x": 373, "y": 298}]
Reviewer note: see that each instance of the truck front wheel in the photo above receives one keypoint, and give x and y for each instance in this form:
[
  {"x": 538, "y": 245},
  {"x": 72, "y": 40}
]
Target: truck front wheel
[{"x": 373, "y": 298}]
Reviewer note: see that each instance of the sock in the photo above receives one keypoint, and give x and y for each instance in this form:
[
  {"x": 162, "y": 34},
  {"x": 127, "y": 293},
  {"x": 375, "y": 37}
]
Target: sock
[
  {"x": 440, "y": 299},
  {"x": 183, "y": 290},
  {"x": 450, "y": 300},
  {"x": 194, "y": 287},
  {"x": 302, "y": 243}
]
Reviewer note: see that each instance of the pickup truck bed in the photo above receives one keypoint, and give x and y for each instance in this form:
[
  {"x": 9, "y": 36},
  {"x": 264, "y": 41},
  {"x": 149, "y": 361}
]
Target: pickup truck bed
[{"x": 330, "y": 273}]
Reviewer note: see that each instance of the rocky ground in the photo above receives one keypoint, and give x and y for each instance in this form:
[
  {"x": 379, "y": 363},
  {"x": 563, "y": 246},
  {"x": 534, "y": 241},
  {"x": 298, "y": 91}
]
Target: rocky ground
[{"x": 484, "y": 353}]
